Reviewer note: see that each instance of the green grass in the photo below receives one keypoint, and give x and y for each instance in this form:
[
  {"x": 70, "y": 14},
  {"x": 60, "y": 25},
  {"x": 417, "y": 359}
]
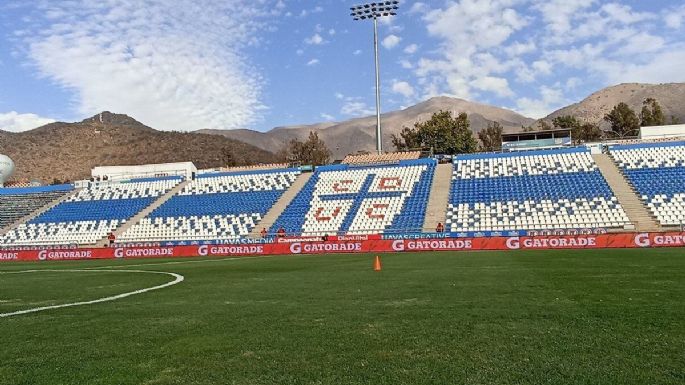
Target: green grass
[{"x": 544, "y": 317}]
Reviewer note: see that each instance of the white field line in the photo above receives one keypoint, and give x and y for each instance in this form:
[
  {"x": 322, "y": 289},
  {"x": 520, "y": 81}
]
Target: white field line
[{"x": 177, "y": 279}]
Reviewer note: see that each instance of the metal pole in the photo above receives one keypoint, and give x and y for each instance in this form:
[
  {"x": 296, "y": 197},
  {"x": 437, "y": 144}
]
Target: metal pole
[{"x": 379, "y": 139}]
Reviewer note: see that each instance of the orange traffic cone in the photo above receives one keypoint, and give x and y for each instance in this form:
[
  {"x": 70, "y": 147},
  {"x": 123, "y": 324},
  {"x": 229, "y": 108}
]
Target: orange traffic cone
[{"x": 377, "y": 264}]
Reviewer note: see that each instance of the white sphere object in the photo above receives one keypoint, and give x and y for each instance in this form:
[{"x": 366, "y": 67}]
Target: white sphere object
[{"x": 6, "y": 168}]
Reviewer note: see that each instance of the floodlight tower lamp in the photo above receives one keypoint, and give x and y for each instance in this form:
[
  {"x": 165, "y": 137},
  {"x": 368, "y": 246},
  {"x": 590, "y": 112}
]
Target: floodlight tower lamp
[{"x": 375, "y": 11}]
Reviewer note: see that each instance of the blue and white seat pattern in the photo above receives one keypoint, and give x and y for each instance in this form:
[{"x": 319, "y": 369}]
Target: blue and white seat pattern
[
  {"x": 89, "y": 215},
  {"x": 539, "y": 190},
  {"x": 342, "y": 199},
  {"x": 657, "y": 172},
  {"x": 214, "y": 207}
]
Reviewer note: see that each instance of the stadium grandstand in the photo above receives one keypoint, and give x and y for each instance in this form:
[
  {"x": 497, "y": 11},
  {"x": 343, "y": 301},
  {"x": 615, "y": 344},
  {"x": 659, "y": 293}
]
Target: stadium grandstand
[
  {"x": 534, "y": 190},
  {"x": 562, "y": 189}
]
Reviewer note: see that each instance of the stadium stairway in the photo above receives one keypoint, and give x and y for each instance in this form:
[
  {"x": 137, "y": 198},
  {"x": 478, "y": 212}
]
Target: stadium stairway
[
  {"x": 277, "y": 209},
  {"x": 627, "y": 197},
  {"x": 38, "y": 212},
  {"x": 436, "y": 211},
  {"x": 142, "y": 214}
]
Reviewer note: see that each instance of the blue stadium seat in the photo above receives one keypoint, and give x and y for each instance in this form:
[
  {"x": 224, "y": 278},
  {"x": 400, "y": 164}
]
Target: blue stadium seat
[
  {"x": 89, "y": 215},
  {"x": 657, "y": 173},
  {"x": 214, "y": 207},
  {"x": 532, "y": 190},
  {"x": 346, "y": 199}
]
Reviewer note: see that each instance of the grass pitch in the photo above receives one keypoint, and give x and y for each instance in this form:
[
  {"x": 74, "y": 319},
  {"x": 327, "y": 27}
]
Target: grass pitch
[{"x": 544, "y": 317}]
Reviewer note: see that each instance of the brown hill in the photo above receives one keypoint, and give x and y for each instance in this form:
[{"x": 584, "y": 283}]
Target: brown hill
[
  {"x": 592, "y": 109},
  {"x": 359, "y": 134},
  {"x": 68, "y": 151}
]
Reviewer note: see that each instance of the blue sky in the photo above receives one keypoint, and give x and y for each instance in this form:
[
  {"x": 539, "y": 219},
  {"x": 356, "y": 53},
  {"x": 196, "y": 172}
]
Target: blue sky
[{"x": 192, "y": 64}]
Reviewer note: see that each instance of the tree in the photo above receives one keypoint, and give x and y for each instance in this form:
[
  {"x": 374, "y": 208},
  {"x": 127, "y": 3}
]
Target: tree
[
  {"x": 675, "y": 120},
  {"x": 651, "y": 114},
  {"x": 566, "y": 122},
  {"x": 541, "y": 125},
  {"x": 443, "y": 133},
  {"x": 313, "y": 151},
  {"x": 587, "y": 132},
  {"x": 624, "y": 121},
  {"x": 227, "y": 157},
  {"x": 491, "y": 137},
  {"x": 580, "y": 132}
]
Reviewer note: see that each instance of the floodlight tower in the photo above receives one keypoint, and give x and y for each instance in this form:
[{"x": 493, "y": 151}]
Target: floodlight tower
[{"x": 375, "y": 11}]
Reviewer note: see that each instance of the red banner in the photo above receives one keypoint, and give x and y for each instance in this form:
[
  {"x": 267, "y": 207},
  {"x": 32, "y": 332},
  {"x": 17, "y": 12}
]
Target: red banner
[{"x": 362, "y": 244}]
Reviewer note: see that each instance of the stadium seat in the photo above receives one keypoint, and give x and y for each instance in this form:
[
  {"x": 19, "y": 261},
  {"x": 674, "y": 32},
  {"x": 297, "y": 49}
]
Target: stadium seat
[
  {"x": 214, "y": 207},
  {"x": 344, "y": 199},
  {"x": 534, "y": 190},
  {"x": 89, "y": 215},
  {"x": 16, "y": 203},
  {"x": 657, "y": 173}
]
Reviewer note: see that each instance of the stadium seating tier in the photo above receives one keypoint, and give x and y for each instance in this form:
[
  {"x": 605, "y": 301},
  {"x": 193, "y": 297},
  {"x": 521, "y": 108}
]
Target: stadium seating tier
[
  {"x": 90, "y": 214},
  {"x": 657, "y": 173},
  {"x": 537, "y": 190},
  {"x": 214, "y": 207},
  {"x": 344, "y": 199}
]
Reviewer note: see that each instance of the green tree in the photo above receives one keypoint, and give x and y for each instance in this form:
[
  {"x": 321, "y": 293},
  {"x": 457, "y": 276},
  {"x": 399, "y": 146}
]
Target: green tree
[
  {"x": 624, "y": 121},
  {"x": 540, "y": 125},
  {"x": 580, "y": 132},
  {"x": 443, "y": 133},
  {"x": 491, "y": 137},
  {"x": 566, "y": 122},
  {"x": 587, "y": 132},
  {"x": 674, "y": 120},
  {"x": 313, "y": 151},
  {"x": 651, "y": 114},
  {"x": 227, "y": 157}
]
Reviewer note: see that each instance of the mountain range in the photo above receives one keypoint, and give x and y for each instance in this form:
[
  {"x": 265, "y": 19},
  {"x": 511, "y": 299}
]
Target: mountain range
[
  {"x": 359, "y": 134},
  {"x": 67, "y": 151}
]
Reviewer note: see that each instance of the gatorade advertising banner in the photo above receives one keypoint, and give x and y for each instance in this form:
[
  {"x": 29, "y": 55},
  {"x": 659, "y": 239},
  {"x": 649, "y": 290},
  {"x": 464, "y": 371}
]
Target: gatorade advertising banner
[{"x": 357, "y": 244}]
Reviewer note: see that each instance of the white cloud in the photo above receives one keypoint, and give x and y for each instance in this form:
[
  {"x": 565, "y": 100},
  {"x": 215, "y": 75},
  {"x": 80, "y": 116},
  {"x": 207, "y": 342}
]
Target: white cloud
[
  {"x": 403, "y": 88},
  {"x": 572, "y": 83},
  {"x": 550, "y": 99},
  {"x": 674, "y": 17},
  {"x": 356, "y": 108},
  {"x": 391, "y": 41},
  {"x": 465, "y": 60},
  {"x": 517, "y": 48},
  {"x": 15, "y": 122},
  {"x": 316, "y": 39},
  {"x": 327, "y": 117},
  {"x": 641, "y": 43},
  {"x": 154, "y": 62},
  {"x": 660, "y": 68},
  {"x": 357, "y": 52},
  {"x": 411, "y": 49},
  {"x": 313, "y": 62},
  {"x": 331, "y": 31},
  {"x": 496, "y": 85},
  {"x": 418, "y": 7},
  {"x": 542, "y": 67},
  {"x": 624, "y": 14},
  {"x": 559, "y": 14}
]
